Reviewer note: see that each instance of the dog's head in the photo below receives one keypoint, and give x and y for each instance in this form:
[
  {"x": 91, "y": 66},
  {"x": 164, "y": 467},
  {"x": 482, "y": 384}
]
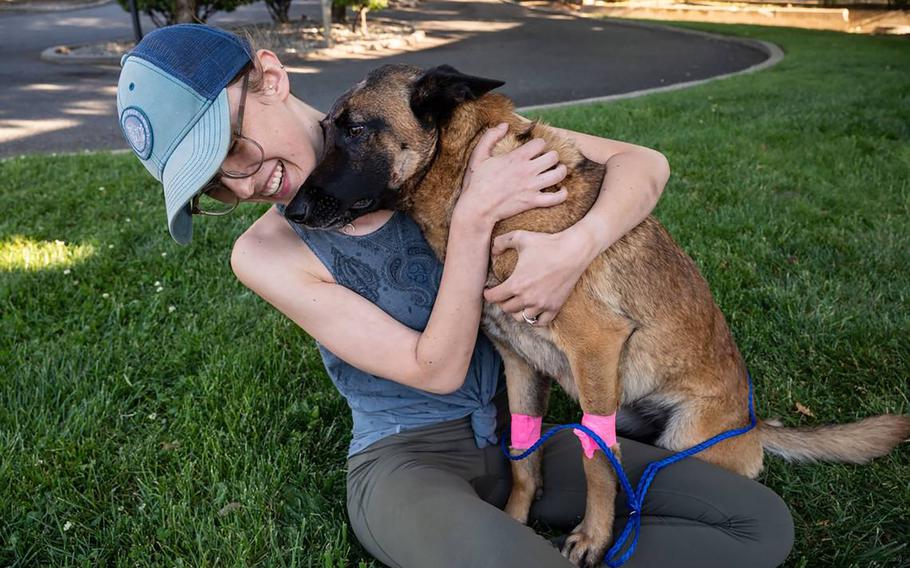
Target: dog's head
[{"x": 378, "y": 135}]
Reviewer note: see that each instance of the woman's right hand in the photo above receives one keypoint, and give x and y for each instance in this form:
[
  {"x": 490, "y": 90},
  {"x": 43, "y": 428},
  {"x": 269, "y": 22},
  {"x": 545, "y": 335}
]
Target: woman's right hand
[{"x": 498, "y": 187}]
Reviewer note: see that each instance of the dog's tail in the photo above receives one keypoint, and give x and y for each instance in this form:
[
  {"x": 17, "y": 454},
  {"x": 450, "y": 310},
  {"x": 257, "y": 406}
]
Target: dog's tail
[{"x": 856, "y": 442}]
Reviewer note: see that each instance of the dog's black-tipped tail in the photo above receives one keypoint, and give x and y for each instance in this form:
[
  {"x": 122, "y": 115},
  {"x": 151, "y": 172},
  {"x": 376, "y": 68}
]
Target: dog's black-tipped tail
[{"x": 856, "y": 442}]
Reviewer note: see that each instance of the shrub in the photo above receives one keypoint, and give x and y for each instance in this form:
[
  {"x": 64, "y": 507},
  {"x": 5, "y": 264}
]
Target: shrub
[
  {"x": 362, "y": 7},
  {"x": 279, "y": 9},
  {"x": 167, "y": 12}
]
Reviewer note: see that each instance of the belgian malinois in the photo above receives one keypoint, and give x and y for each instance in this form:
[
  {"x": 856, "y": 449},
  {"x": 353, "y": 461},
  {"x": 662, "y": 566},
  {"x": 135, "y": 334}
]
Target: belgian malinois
[{"x": 640, "y": 327}]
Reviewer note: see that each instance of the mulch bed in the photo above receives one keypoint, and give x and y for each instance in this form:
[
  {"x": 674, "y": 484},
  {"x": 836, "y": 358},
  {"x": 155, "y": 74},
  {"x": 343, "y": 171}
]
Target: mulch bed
[{"x": 297, "y": 38}]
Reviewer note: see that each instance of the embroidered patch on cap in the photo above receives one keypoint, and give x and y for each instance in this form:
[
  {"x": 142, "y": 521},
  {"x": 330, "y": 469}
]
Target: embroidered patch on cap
[{"x": 138, "y": 131}]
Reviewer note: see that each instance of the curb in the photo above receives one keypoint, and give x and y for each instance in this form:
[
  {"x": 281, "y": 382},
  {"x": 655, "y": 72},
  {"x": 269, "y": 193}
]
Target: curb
[
  {"x": 85, "y": 152},
  {"x": 51, "y": 7},
  {"x": 774, "y": 52},
  {"x": 52, "y": 54}
]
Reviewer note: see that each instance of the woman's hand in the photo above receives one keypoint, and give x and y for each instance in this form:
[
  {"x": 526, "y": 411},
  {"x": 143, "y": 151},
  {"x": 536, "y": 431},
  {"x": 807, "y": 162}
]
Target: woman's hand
[
  {"x": 548, "y": 267},
  {"x": 498, "y": 187}
]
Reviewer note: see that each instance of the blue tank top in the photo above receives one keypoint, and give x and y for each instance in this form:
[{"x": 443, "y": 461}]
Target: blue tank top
[{"x": 395, "y": 268}]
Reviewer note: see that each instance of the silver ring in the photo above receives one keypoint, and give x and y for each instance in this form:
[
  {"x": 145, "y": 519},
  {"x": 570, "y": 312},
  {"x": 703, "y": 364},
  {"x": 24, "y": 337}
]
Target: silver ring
[{"x": 530, "y": 320}]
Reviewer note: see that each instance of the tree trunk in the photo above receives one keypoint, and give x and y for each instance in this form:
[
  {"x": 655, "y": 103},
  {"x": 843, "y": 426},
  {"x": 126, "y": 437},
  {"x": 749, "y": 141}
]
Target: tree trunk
[
  {"x": 363, "y": 21},
  {"x": 339, "y": 13},
  {"x": 284, "y": 8},
  {"x": 185, "y": 11}
]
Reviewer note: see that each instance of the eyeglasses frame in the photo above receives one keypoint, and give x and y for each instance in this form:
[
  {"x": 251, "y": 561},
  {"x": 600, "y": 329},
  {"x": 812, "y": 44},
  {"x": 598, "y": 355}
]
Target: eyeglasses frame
[{"x": 236, "y": 134}]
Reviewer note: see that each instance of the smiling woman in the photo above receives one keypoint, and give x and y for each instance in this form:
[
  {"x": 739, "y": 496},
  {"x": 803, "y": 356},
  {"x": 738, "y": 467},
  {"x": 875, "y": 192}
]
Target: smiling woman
[
  {"x": 398, "y": 330},
  {"x": 22, "y": 253}
]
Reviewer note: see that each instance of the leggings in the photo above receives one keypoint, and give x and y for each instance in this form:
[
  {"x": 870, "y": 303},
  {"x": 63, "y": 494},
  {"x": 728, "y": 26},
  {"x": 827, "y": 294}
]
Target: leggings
[{"x": 430, "y": 497}]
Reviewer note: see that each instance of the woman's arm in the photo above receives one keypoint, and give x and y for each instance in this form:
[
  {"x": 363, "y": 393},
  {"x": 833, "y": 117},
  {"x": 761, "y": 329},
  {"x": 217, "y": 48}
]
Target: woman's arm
[
  {"x": 272, "y": 261},
  {"x": 550, "y": 265}
]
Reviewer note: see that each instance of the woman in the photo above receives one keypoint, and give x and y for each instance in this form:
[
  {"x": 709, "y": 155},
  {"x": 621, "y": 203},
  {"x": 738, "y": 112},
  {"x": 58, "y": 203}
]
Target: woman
[{"x": 398, "y": 331}]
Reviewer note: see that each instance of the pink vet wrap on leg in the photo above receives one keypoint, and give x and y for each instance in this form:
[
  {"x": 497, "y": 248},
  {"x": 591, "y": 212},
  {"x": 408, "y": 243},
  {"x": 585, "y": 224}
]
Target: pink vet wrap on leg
[
  {"x": 525, "y": 430},
  {"x": 603, "y": 426}
]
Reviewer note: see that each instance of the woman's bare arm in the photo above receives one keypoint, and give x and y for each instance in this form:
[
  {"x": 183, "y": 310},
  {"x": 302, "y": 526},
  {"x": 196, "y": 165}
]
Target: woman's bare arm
[{"x": 272, "y": 261}]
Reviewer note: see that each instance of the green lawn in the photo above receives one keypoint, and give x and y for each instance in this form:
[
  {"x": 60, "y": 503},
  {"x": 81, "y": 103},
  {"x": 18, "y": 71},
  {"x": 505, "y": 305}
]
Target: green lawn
[{"x": 154, "y": 412}]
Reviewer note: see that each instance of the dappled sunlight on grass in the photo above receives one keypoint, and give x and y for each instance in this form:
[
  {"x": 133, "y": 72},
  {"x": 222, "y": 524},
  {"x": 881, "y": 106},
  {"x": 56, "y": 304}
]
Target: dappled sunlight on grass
[{"x": 22, "y": 253}]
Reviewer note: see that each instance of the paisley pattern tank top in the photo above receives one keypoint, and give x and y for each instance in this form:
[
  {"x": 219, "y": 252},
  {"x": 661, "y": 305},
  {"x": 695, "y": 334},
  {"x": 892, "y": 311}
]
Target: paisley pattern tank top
[{"x": 395, "y": 268}]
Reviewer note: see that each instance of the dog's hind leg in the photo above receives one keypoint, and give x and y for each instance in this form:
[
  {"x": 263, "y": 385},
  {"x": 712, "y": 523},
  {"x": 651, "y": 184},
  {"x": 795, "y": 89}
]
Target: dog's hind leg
[
  {"x": 593, "y": 340},
  {"x": 529, "y": 393},
  {"x": 699, "y": 418}
]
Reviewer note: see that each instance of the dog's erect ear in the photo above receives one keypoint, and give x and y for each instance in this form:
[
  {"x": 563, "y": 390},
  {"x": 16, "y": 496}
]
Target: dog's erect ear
[{"x": 439, "y": 90}]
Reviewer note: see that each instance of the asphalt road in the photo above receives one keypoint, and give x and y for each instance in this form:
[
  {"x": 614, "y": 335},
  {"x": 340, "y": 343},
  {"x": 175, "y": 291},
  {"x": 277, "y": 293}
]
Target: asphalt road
[{"x": 543, "y": 58}]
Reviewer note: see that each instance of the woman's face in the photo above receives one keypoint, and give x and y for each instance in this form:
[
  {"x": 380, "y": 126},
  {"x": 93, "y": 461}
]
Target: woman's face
[{"x": 288, "y": 131}]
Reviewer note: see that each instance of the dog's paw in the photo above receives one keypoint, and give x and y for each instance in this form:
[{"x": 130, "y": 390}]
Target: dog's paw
[{"x": 585, "y": 548}]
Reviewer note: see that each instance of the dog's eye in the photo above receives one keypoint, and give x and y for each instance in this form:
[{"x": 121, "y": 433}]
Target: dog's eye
[
  {"x": 354, "y": 131},
  {"x": 362, "y": 204}
]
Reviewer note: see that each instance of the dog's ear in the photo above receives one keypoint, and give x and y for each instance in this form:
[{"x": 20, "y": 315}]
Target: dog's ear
[{"x": 439, "y": 90}]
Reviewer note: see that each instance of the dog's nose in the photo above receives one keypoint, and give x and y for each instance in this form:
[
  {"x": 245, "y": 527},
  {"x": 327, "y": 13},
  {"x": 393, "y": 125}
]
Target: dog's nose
[{"x": 298, "y": 210}]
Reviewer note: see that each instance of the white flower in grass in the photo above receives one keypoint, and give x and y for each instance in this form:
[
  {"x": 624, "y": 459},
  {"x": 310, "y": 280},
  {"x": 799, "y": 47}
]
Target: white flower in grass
[
  {"x": 67, "y": 526},
  {"x": 110, "y": 246},
  {"x": 66, "y": 272},
  {"x": 157, "y": 283},
  {"x": 101, "y": 188},
  {"x": 171, "y": 309},
  {"x": 128, "y": 220},
  {"x": 164, "y": 254},
  {"x": 152, "y": 416},
  {"x": 105, "y": 295},
  {"x": 159, "y": 288}
]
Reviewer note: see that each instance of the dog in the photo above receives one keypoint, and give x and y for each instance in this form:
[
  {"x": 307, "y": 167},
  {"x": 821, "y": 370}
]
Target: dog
[{"x": 640, "y": 328}]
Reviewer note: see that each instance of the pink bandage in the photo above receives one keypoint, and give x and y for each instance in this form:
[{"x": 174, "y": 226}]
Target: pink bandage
[
  {"x": 525, "y": 430},
  {"x": 603, "y": 426}
]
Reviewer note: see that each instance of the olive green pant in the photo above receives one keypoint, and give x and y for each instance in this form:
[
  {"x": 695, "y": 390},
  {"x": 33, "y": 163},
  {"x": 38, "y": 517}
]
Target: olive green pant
[{"x": 430, "y": 498}]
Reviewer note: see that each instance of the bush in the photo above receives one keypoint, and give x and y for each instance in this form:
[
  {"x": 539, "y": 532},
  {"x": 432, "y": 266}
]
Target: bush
[
  {"x": 279, "y": 9},
  {"x": 167, "y": 12},
  {"x": 362, "y": 7}
]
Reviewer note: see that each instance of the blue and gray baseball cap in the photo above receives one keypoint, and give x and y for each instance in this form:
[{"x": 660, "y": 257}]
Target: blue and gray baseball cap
[{"x": 173, "y": 108}]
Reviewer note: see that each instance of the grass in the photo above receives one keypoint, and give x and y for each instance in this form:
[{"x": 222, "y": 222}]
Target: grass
[{"x": 154, "y": 412}]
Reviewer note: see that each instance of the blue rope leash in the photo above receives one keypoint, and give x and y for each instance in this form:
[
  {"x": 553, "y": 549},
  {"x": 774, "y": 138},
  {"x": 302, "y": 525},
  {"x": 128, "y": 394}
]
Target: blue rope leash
[{"x": 636, "y": 497}]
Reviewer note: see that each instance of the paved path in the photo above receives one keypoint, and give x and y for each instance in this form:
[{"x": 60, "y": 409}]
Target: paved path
[{"x": 543, "y": 58}]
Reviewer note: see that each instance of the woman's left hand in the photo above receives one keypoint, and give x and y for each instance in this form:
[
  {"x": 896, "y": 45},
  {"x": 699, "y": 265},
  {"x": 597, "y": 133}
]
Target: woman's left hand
[{"x": 548, "y": 267}]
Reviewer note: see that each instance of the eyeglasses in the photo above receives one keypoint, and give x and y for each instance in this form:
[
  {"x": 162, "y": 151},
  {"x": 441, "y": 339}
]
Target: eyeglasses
[{"x": 245, "y": 152}]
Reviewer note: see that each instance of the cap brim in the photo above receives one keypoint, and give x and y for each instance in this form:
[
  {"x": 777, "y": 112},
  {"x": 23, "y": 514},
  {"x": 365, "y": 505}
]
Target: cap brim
[{"x": 193, "y": 163}]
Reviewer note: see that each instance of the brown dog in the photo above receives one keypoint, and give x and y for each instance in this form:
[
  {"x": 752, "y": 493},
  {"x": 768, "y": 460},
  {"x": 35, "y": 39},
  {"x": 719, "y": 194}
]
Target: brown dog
[{"x": 640, "y": 327}]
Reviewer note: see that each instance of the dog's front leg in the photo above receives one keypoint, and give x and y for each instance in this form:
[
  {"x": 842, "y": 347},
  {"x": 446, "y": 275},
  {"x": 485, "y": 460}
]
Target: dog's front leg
[
  {"x": 528, "y": 396},
  {"x": 593, "y": 340}
]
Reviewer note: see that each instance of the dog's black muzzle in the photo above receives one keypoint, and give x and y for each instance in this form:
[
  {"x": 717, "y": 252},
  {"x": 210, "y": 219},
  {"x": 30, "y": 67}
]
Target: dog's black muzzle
[{"x": 314, "y": 209}]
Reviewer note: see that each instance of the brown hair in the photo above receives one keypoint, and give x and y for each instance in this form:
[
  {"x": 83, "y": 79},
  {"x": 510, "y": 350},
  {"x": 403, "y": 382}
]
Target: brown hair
[{"x": 252, "y": 67}]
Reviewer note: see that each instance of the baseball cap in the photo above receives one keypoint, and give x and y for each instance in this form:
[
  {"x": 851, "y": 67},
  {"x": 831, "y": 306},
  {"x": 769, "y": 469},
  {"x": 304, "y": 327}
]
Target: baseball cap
[{"x": 173, "y": 109}]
